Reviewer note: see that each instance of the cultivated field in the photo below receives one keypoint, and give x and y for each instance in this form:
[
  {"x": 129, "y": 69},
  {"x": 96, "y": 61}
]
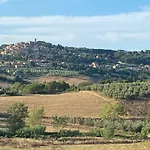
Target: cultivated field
[
  {"x": 71, "y": 81},
  {"x": 82, "y": 104}
]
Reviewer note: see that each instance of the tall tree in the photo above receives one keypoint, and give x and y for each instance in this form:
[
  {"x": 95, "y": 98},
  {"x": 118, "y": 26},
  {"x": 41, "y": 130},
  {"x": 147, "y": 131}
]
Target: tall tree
[{"x": 17, "y": 115}]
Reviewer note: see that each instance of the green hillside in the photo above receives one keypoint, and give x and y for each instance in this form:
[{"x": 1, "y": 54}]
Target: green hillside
[{"x": 28, "y": 59}]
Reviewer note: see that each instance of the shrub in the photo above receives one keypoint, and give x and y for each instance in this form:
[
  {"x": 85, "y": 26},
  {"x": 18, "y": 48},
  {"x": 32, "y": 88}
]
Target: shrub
[
  {"x": 5, "y": 133},
  {"x": 69, "y": 133},
  {"x": 81, "y": 121},
  {"x": 31, "y": 132},
  {"x": 111, "y": 111},
  {"x": 145, "y": 131},
  {"x": 118, "y": 125},
  {"x": 137, "y": 126},
  {"x": 59, "y": 122},
  {"x": 96, "y": 132},
  {"x": 35, "y": 117},
  {"x": 127, "y": 125},
  {"x": 89, "y": 122},
  {"x": 108, "y": 133}
]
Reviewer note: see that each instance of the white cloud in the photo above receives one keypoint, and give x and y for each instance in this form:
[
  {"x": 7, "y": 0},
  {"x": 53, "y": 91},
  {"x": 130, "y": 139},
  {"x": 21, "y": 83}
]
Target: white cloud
[
  {"x": 3, "y": 1},
  {"x": 125, "y": 30}
]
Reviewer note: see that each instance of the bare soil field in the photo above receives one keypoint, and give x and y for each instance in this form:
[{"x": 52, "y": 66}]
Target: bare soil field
[
  {"x": 71, "y": 81},
  {"x": 80, "y": 104}
]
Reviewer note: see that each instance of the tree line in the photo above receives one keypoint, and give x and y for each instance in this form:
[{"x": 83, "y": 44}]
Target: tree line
[
  {"x": 121, "y": 90},
  {"x": 53, "y": 87}
]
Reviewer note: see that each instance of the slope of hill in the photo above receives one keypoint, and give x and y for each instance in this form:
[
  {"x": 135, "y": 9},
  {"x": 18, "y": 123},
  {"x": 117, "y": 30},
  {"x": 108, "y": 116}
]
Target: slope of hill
[
  {"x": 36, "y": 58},
  {"x": 82, "y": 104}
]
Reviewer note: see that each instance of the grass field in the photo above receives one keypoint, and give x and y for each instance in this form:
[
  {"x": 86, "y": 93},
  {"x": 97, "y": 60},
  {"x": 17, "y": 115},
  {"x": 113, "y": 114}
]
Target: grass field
[
  {"x": 82, "y": 104},
  {"x": 134, "y": 146},
  {"x": 71, "y": 81}
]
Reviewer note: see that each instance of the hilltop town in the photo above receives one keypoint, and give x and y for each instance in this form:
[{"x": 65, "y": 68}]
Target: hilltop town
[{"x": 24, "y": 59}]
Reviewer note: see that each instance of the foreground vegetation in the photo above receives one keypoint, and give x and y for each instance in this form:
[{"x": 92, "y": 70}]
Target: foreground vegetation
[
  {"x": 109, "y": 128},
  {"x": 133, "y": 146},
  {"x": 22, "y": 123}
]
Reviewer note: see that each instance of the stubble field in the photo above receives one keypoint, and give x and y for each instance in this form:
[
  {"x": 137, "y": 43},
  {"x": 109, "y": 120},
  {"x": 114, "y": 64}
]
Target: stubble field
[{"x": 80, "y": 104}]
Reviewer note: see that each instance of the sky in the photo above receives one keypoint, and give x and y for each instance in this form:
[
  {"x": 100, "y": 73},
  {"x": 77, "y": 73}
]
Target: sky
[{"x": 107, "y": 24}]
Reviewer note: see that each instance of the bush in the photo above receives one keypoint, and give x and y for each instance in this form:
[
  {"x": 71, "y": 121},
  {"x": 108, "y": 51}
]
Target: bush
[
  {"x": 31, "y": 132},
  {"x": 137, "y": 126},
  {"x": 96, "y": 132},
  {"x": 35, "y": 117},
  {"x": 59, "y": 122},
  {"x": 131, "y": 126},
  {"x": 69, "y": 133},
  {"x": 89, "y": 122},
  {"x": 107, "y": 133},
  {"x": 118, "y": 125},
  {"x": 127, "y": 125},
  {"x": 52, "y": 135},
  {"x": 5, "y": 133},
  {"x": 145, "y": 131}
]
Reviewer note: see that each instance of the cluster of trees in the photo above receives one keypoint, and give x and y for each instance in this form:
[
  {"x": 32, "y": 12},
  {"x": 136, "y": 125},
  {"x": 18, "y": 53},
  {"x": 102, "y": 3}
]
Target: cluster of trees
[
  {"x": 24, "y": 123},
  {"x": 121, "y": 90},
  {"x": 38, "y": 71},
  {"x": 36, "y": 88},
  {"x": 133, "y": 57},
  {"x": 134, "y": 90}
]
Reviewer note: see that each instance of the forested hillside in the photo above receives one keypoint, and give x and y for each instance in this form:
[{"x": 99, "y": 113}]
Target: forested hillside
[{"x": 40, "y": 58}]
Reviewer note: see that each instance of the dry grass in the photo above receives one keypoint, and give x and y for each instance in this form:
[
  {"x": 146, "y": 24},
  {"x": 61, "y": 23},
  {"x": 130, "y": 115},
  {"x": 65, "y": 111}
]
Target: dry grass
[
  {"x": 71, "y": 81},
  {"x": 134, "y": 146},
  {"x": 82, "y": 104}
]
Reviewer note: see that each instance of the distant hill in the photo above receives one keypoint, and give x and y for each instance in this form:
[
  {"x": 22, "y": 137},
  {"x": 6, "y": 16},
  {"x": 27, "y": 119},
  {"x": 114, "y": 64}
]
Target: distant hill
[{"x": 36, "y": 58}]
